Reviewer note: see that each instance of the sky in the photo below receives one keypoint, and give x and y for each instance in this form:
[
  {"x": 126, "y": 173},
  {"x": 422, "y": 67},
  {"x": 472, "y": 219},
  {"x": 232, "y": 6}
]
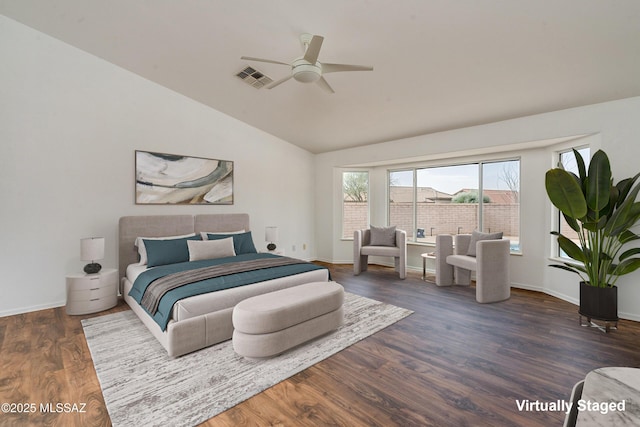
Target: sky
[{"x": 450, "y": 179}]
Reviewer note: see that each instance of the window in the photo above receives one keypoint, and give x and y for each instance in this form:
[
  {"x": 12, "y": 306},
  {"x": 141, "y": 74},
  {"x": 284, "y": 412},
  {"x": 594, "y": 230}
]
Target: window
[
  {"x": 568, "y": 161},
  {"x": 501, "y": 199},
  {"x": 401, "y": 206},
  {"x": 457, "y": 199},
  {"x": 355, "y": 202}
]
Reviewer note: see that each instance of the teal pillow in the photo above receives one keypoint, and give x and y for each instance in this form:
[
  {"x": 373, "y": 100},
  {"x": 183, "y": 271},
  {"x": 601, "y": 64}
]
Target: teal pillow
[
  {"x": 242, "y": 242},
  {"x": 162, "y": 252}
]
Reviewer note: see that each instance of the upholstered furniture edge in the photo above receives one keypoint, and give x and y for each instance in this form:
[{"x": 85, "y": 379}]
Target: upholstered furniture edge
[
  {"x": 453, "y": 266},
  {"x": 362, "y": 238}
]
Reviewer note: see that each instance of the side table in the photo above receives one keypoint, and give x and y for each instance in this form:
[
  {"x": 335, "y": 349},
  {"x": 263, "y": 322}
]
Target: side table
[
  {"x": 90, "y": 293},
  {"x": 275, "y": 252},
  {"x": 425, "y": 256}
]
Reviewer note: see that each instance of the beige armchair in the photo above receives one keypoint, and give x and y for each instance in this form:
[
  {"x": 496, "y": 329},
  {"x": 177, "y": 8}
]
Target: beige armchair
[
  {"x": 394, "y": 245},
  {"x": 488, "y": 257}
]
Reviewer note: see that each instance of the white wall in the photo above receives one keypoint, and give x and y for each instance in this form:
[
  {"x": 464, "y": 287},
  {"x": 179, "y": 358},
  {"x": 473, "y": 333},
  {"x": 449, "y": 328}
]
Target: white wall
[
  {"x": 69, "y": 125},
  {"x": 615, "y": 127}
]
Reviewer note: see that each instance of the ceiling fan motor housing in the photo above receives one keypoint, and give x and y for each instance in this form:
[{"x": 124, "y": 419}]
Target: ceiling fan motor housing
[{"x": 305, "y": 72}]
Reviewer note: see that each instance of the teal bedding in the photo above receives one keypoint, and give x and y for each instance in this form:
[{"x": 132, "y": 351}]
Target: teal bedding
[{"x": 226, "y": 281}]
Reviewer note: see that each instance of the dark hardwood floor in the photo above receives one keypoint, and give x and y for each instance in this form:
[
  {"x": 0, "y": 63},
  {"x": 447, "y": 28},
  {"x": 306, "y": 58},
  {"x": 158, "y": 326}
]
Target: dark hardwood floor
[{"x": 453, "y": 362}]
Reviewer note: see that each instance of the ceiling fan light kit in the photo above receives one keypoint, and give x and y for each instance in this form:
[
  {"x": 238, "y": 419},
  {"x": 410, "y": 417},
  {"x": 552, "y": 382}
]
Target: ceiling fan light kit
[
  {"x": 307, "y": 69},
  {"x": 305, "y": 72}
]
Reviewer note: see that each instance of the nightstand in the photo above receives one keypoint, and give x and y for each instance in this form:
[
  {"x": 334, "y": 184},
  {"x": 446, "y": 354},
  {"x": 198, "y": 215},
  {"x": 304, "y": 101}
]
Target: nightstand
[
  {"x": 89, "y": 293},
  {"x": 275, "y": 252}
]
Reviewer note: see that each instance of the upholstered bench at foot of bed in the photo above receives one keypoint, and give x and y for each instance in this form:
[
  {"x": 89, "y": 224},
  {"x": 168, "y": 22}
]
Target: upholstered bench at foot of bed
[{"x": 269, "y": 324}]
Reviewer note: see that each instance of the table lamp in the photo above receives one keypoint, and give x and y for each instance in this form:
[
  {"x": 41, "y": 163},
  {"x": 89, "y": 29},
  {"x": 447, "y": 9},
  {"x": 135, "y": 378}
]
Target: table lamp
[
  {"x": 271, "y": 235},
  {"x": 92, "y": 249}
]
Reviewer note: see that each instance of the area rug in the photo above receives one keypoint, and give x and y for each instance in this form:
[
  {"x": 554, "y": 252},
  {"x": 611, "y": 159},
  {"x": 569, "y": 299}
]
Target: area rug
[{"x": 142, "y": 385}]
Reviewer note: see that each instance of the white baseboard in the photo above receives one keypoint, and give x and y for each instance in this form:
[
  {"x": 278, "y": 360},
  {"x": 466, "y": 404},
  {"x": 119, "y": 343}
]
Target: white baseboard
[
  {"x": 527, "y": 287},
  {"x": 564, "y": 297},
  {"x": 29, "y": 309},
  {"x": 629, "y": 316},
  {"x": 332, "y": 261}
]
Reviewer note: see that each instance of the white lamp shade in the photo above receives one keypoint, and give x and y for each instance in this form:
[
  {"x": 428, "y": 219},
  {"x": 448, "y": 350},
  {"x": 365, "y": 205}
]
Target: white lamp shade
[
  {"x": 271, "y": 234},
  {"x": 92, "y": 248}
]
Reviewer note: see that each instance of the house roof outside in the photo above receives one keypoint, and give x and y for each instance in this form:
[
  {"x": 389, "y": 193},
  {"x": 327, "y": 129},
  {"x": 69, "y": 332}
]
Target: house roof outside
[
  {"x": 424, "y": 194},
  {"x": 401, "y": 194}
]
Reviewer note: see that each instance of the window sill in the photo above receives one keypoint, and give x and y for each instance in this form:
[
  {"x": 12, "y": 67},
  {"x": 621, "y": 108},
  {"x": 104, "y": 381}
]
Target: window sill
[
  {"x": 429, "y": 245},
  {"x": 433, "y": 245}
]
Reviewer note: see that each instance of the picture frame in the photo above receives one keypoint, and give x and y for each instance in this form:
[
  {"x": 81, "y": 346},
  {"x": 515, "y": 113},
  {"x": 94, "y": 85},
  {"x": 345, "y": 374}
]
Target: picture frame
[{"x": 162, "y": 179}]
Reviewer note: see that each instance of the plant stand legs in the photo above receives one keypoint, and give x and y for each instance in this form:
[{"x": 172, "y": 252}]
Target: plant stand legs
[{"x": 604, "y": 328}]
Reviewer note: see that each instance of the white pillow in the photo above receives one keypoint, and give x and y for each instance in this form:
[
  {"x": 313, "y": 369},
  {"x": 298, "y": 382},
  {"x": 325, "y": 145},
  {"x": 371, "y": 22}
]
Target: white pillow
[
  {"x": 210, "y": 249},
  {"x": 204, "y": 233},
  {"x": 142, "y": 251}
]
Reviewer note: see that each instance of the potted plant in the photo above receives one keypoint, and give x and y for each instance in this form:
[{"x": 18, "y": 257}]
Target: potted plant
[{"x": 602, "y": 214}]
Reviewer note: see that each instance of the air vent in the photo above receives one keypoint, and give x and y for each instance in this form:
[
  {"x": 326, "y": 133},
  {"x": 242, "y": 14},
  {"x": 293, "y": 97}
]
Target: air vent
[{"x": 254, "y": 78}]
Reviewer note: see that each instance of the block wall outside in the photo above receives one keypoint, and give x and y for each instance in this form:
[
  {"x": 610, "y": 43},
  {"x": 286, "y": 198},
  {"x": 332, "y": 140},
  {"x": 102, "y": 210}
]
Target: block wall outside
[
  {"x": 435, "y": 218},
  {"x": 355, "y": 216}
]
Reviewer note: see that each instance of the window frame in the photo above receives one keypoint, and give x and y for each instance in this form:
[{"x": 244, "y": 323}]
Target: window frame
[
  {"x": 414, "y": 212},
  {"x": 342, "y": 200},
  {"x": 412, "y": 237},
  {"x": 556, "y": 252}
]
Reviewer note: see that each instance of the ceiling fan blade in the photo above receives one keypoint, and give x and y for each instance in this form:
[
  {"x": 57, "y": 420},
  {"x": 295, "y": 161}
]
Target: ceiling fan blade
[
  {"x": 249, "y": 58},
  {"x": 313, "y": 50},
  {"x": 279, "y": 82},
  {"x": 324, "y": 85},
  {"x": 333, "y": 68}
]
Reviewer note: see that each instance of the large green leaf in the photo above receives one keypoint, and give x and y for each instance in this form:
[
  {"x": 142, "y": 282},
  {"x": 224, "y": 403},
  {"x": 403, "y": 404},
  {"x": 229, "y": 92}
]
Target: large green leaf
[
  {"x": 571, "y": 249},
  {"x": 591, "y": 225},
  {"x": 634, "y": 213},
  {"x": 605, "y": 256},
  {"x": 582, "y": 171},
  {"x": 624, "y": 186},
  {"x": 627, "y": 236},
  {"x": 626, "y": 254},
  {"x": 598, "y": 181},
  {"x": 567, "y": 267},
  {"x": 572, "y": 222},
  {"x": 626, "y": 215},
  {"x": 614, "y": 193},
  {"x": 565, "y": 193},
  {"x": 627, "y": 266},
  {"x": 591, "y": 216},
  {"x": 602, "y": 223}
]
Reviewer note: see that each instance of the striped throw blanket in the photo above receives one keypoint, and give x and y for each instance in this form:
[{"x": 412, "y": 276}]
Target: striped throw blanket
[{"x": 159, "y": 287}]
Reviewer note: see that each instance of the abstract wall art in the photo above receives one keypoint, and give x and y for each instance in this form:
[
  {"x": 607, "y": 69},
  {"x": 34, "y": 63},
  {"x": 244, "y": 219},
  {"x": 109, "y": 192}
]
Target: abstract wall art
[{"x": 174, "y": 179}]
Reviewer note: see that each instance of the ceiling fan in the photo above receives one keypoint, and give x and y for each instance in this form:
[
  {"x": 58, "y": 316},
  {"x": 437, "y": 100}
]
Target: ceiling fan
[{"x": 307, "y": 69}]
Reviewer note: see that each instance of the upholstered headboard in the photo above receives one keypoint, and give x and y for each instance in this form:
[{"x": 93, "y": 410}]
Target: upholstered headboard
[{"x": 131, "y": 227}]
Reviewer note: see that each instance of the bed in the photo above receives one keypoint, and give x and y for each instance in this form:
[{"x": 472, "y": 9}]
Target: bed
[{"x": 198, "y": 321}]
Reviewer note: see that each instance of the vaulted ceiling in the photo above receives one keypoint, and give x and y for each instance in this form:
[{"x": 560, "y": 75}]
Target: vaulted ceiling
[{"x": 438, "y": 64}]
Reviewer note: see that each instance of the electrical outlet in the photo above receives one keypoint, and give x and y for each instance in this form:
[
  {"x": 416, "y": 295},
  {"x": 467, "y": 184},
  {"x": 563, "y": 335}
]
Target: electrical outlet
[
  {"x": 304, "y": 246},
  {"x": 293, "y": 248}
]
